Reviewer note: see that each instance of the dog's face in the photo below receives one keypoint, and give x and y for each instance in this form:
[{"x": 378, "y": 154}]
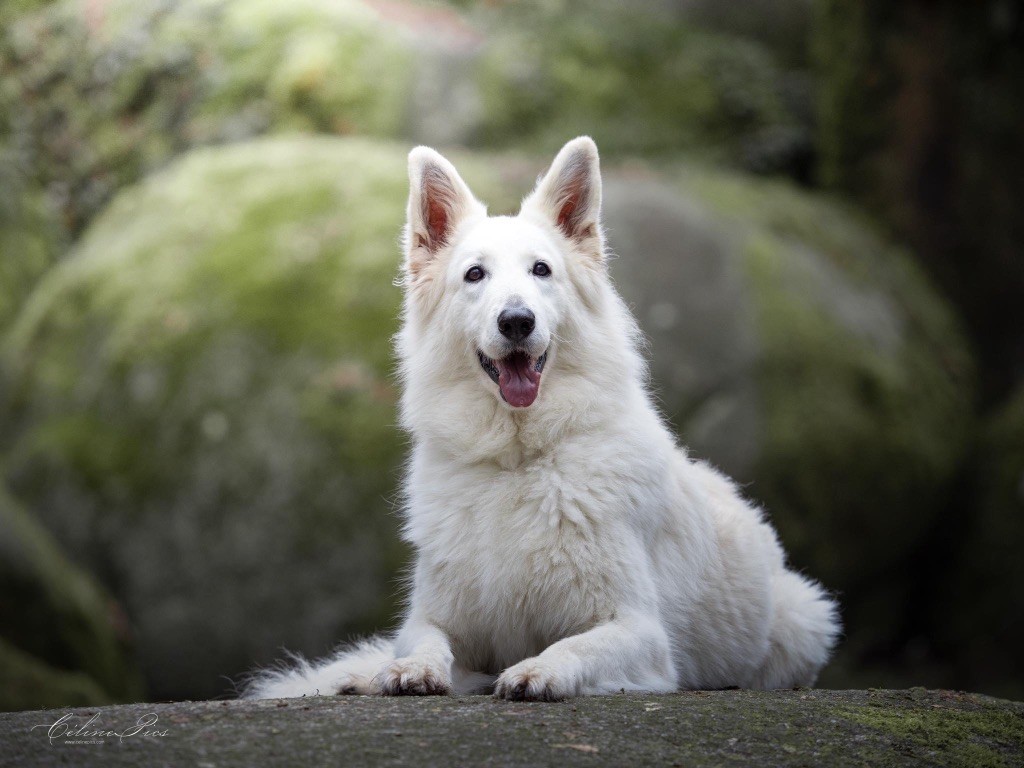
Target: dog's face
[
  {"x": 507, "y": 279},
  {"x": 501, "y": 286}
]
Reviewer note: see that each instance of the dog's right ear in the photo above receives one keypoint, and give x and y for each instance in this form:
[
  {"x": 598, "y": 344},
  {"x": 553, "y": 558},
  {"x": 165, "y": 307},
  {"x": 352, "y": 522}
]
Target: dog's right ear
[{"x": 439, "y": 200}]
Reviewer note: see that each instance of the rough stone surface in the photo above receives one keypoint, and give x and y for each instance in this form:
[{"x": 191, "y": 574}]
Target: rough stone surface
[{"x": 782, "y": 728}]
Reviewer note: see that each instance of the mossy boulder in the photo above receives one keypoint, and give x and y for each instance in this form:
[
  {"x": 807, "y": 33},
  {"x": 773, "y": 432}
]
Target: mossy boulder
[
  {"x": 639, "y": 78},
  {"x": 810, "y": 358},
  {"x": 210, "y": 408},
  {"x": 63, "y": 641}
]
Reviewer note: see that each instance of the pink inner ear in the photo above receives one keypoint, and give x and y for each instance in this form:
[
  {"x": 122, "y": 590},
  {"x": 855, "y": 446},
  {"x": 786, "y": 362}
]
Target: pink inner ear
[
  {"x": 572, "y": 192},
  {"x": 439, "y": 201},
  {"x": 565, "y": 214},
  {"x": 437, "y": 221}
]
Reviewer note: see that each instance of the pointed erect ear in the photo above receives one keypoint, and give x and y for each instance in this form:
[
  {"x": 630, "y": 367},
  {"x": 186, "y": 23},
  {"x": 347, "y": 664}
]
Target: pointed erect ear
[
  {"x": 569, "y": 195},
  {"x": 438, "y": 201}
]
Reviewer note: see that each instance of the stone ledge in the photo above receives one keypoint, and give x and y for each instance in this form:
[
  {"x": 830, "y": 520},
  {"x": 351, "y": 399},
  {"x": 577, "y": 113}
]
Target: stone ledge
[{"x": 800, "y": 727}]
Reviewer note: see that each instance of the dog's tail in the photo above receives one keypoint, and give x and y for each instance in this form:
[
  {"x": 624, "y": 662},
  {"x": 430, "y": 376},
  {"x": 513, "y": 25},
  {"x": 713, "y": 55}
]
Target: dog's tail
[
  {"x": 805, "y": 628},
  {"x": 351, "y": 669}
]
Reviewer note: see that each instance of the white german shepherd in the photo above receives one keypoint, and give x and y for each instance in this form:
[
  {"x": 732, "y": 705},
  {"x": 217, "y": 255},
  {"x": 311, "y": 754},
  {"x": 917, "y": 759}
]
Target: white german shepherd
[{"x": 565, "y": 544}]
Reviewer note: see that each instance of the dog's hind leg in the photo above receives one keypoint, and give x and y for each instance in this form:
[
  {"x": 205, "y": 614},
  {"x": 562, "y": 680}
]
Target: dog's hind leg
[
  {"x": 805, "y": 627},
  {"x": 352, "y": 669}
]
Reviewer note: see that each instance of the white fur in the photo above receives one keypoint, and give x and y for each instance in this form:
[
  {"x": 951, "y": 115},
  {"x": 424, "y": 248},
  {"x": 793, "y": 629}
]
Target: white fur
[{"x": 570, "y": 547}]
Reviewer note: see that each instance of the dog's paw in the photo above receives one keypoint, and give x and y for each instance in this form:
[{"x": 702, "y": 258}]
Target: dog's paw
[
  {"x": 355, "y": 685},
  {"x": 413, "y": 677},
  {"x": 535, "y": 680}
]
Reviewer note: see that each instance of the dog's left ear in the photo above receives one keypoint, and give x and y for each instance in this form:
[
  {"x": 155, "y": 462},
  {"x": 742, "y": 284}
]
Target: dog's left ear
[
  {"x": 569, "y": 196},
  {"x": 439, "y": 200}
]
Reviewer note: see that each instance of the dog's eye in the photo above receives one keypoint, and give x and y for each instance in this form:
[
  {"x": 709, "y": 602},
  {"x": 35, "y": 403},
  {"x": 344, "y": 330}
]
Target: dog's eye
[
  {"x": 541, "y": 269},
  {"x": 474, "y": 274}
]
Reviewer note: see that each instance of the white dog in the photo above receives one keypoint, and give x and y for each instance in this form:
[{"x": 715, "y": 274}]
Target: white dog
[{"x": 565, "y": 544}]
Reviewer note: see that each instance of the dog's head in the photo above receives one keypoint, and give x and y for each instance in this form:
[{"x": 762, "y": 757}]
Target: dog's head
[{"x": 501, "y": 286}]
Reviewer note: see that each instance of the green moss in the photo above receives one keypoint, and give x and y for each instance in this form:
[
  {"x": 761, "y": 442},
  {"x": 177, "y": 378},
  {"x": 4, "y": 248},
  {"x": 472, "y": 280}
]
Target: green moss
[
  {"x": 328, "y": 67},
  {"x": 977, "y": 737}
]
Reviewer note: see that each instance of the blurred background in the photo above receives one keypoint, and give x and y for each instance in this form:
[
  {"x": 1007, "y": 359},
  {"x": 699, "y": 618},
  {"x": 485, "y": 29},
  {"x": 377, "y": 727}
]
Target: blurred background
[{"x": 816, "y": 210}]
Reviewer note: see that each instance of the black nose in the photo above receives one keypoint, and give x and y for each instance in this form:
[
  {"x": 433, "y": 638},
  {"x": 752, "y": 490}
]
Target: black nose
[{"x": 516, "y": 323}]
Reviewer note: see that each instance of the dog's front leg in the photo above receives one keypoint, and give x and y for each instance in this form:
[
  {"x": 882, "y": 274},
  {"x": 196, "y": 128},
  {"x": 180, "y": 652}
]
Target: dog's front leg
[
  {"x": 631, "y": 652},
  {"x": 424, "y": 663}
]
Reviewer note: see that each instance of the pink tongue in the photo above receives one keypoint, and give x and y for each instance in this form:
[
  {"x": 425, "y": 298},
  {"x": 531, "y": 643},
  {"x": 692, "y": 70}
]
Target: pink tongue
[{"x": 517, "y": 380}]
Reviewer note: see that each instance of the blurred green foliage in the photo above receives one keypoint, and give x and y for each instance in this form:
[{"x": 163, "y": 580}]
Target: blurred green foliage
[
  {"x": 920, "y": 115},
  {"x": 63, "y": 641},
  {"x": 983, "y": 585},
  {"x": 28, "y": 233},
  {"x": 106, "y": 92},
  {"x": 639, "y": 80}
]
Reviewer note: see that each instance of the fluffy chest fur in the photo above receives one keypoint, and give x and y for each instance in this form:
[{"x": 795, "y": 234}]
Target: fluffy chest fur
[{"x": 511, "y": 560}]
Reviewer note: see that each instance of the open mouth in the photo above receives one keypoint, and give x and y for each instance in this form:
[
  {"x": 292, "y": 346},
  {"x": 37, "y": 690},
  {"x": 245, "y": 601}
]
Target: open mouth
[{"x": 517, "y": 376}]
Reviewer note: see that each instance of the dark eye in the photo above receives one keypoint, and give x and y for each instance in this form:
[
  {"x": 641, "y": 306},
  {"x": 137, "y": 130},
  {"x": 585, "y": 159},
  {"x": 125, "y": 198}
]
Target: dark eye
[
  {"x": 541, "y": 269},
  {"x": 474, "y": 274}
]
